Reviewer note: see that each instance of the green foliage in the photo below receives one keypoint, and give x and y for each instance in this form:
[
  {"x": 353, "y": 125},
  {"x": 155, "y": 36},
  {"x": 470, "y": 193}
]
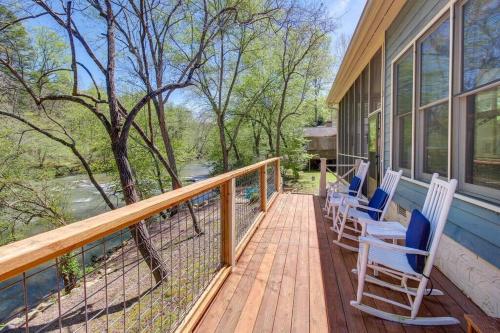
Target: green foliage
[
  {"x": 254, "y": 197},
  {"x": 69, "y": 270},
  {"x": 295, "y": 155},
  {"x": 253, "y": 123}
]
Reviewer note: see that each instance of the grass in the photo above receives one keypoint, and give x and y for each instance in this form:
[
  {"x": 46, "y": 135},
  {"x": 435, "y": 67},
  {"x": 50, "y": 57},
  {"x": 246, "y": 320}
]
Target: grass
[{"x": 308, "y": 181}]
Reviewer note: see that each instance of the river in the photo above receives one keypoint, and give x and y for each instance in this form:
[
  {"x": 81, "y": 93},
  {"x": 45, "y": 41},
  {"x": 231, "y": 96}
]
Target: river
[{"x": 83, "y": 201}]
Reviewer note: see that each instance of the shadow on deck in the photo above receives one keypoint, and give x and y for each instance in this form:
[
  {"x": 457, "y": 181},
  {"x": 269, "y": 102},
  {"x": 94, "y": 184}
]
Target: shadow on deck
[{"x": 292, "y": 278}]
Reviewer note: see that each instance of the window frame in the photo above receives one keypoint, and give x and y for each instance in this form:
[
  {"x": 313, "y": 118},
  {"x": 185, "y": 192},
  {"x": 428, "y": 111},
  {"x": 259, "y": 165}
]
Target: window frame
[
  {"x": 365, "y": 109},
  {"x": 357, "y": 117},
  {"x": 371, "y": 108},
  {"x": 420, "y": 110},
  {"x": 459, "y": 104},
  {"x": 410, "y": 50}
]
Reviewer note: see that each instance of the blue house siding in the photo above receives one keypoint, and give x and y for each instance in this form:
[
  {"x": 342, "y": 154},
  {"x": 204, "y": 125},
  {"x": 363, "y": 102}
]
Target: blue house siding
[
  {"x": 474, "y": 227},
  {"x": 414, "y": 16}
]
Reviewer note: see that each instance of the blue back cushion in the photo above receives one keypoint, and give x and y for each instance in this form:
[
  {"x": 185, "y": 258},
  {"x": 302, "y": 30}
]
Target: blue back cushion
[
  {"x": 377, "y": 201},
  {"x": 417, "y": 236},
  {"x": 354, "y": 186}
]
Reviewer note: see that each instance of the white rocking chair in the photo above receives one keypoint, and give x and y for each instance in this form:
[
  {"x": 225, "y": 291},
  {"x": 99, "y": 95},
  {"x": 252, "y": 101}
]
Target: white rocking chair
[
  {"x": 374, "y": 211},
  {"x": 392, "y": 260},
  {"x": 337, "y": 190}
]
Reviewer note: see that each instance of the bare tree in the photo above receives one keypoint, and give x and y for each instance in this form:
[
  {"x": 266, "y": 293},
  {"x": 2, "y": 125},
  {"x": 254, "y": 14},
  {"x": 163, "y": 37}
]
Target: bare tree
[
  {"x": 116, "y": 119},
  {"x": 303, "y": 30},
  {"x": 218, "y": 82}
]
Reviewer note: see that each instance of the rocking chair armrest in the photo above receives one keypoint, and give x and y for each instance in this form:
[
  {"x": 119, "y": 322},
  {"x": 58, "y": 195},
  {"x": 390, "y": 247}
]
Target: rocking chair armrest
[
  {"x": 353, "y": 205},
  {"x": 363, "y": 201},
  {"x": 345, "y": 194},
  {"x": 371, "y": 241},
  {"x": 365, "y": 221},
  {"x": 336, "y": 184}
]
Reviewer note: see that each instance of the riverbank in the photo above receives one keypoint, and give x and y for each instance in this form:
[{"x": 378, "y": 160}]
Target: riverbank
[
  {"x": 119, "y": 292},
  {"x": 83, "y": 201}
]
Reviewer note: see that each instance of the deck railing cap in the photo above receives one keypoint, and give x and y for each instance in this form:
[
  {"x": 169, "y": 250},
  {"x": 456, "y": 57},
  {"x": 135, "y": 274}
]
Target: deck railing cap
[{"x": 28, "y": 253}]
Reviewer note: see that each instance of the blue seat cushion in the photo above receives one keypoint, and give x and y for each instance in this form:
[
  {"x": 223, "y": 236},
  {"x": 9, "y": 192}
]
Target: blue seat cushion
[
  {"x": 354, "y": 186},
  {"x": 377, "y": 201},
  {"x": 417, "y": 236}
]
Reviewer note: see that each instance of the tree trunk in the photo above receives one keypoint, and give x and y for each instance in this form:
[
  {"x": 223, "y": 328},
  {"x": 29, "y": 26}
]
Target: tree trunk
[
  {"x": 280, "y": 116},
  {"x": 176, "y": 183},
  {"x": 236, "y": 154},
  {"x": 278, "y": 140},
  {"x": 160, "y": 112},
  {"x": 270, "y": 142},
  {"x": 256, "y": 139},
  {"x": 138, "y": 231},
  {"x": 222, "y": 138}
]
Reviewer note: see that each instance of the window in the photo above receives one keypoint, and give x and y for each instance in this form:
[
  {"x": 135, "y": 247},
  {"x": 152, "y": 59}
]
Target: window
[
  {"x": 344, "y": 126},
  {"x": 403, "y": 105},
  {"x": 354, "y": 109},
  {"x": 432, "y": 118},
  {"x": 477, "y": 99},
  {"x": 364, "y": 112},
  {"x": 481, "y": 43},
  {"x": 483, "y": 139},
  {"x": 375, "y": 82},
  {"x": 357, "y": 117},
  {"x": 435, "y": 140},
  {"x": 350, "y": 121},
  {"x": 340, "y": 130},
  {"x": 434, "y": 64}
]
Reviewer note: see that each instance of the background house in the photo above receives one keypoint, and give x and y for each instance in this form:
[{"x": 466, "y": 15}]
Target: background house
[{"x": 322, "y": 143}]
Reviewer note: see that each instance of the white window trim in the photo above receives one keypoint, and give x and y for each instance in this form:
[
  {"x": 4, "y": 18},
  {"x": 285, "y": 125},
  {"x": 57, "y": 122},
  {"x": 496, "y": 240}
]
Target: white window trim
[
  {"x": 419, "y": 126},
  {"x": 393, "y": 62},
  {"x": 413, "y": 43}
]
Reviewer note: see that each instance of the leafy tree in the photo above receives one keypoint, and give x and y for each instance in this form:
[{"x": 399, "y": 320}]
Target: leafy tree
[{"x": 116, "y": 118}]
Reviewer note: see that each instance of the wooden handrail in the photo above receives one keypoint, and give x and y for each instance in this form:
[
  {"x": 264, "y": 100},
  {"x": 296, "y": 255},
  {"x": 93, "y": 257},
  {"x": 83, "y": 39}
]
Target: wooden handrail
[{"x": 28, "y": 253}]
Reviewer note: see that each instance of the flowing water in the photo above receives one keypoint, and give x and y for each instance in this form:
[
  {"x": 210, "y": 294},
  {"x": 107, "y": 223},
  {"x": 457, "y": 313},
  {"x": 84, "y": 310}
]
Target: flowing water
[{"x": 83, "y": 201}]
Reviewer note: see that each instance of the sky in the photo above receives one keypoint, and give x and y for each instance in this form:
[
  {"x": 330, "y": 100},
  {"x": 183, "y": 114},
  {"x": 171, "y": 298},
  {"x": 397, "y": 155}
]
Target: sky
[
  {"x": 345, "y": 12},
  {"x": 348, "y": 13}
]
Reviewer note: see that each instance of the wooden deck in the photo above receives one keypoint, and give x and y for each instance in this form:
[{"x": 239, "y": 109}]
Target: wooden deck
[{"x": 292, "y": 278}]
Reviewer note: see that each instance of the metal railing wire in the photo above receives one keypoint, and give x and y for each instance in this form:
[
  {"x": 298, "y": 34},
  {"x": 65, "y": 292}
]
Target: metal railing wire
[
  {"x": 271, "y": 183},
  {"x": 114, "y": 289},
  {"x": 107, "y": 284},
  {"x": 247, "y": 203}
]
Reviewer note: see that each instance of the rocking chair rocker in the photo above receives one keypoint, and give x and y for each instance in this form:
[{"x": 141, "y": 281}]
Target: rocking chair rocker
[{"x": 414, "y": 261}]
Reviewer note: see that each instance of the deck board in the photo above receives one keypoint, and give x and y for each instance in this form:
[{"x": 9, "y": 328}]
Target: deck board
[{"x": 292, "y": 278}]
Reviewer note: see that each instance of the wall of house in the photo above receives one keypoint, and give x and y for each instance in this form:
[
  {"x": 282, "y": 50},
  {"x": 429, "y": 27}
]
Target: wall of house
[{"x": 469, "y": 254}]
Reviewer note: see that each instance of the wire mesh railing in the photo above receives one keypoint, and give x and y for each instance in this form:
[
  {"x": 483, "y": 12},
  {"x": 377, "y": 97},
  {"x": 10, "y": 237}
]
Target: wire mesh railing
[
  {"x": 109, "y": 286},
  {"x": 247, "y": 203},
  {"x": 95, "y": 275},
  {"x": 271, "y": 182}
]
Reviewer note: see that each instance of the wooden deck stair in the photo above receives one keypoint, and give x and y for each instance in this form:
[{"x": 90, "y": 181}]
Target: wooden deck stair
[{"x": 292, "y": 278}]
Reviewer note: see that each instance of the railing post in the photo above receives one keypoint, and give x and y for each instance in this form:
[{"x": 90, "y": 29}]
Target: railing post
[
  {"x": 277, "y": 176},
  {"x": 228, "y": 190},
  {"x": 263, "y": 187},
  {"x": 322, "y": 178}
]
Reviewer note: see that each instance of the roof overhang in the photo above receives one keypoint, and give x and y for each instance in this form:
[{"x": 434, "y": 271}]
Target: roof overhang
[{"x": 367, "y": 39}]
